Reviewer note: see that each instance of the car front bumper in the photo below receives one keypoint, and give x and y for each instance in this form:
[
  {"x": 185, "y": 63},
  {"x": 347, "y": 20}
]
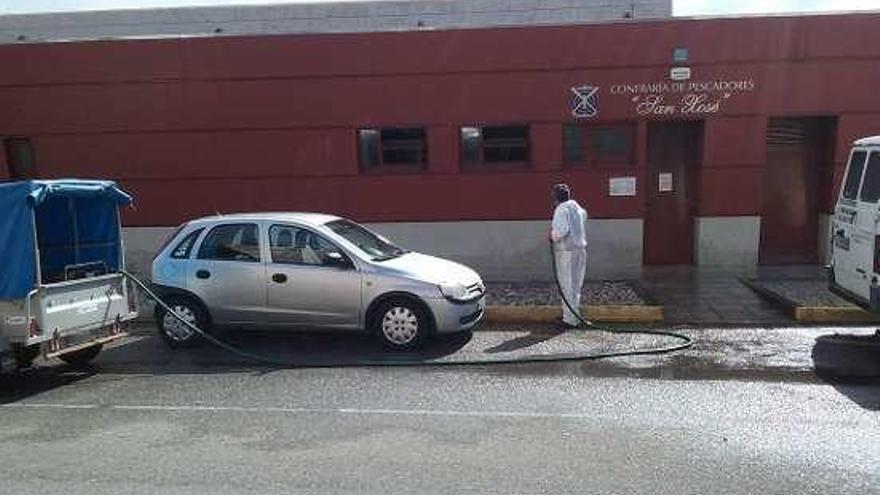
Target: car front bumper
[{"x": 451, "y": 317}]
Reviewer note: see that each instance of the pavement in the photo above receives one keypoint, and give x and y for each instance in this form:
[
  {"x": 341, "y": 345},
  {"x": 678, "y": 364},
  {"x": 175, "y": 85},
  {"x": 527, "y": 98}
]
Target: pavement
[
  {"x": 768, "y": 296},
  {"x": 767, "y": 406},
  {"x": 744, "y": 411}
]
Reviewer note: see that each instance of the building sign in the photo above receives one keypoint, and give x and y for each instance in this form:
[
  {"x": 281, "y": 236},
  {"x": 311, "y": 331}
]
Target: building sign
[
  {"x": 681, "y": 98},
  {"x": 585, "y": 101},
  {"x": 622, "y": 186}
]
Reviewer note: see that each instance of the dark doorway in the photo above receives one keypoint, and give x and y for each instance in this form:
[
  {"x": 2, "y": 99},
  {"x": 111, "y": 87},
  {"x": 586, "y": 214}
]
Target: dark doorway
[
  {"x": 797, "y": 150},
  {"x": 20, "y": 158},
  {"x": 674, "y": 154}
]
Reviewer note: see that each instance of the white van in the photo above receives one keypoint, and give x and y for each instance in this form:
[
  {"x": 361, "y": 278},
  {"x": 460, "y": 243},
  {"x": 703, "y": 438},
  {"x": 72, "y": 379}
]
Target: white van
[{"x": 855, "y": 228}]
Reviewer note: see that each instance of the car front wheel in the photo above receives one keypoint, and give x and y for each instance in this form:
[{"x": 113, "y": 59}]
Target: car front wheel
[
  {"x": 402, "y": 324},
  {"x": 177, "y": 333}
]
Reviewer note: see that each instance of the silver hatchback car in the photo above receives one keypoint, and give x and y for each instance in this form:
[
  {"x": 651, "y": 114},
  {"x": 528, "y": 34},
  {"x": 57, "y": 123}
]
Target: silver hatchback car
[{"x": 308, "y": 270}]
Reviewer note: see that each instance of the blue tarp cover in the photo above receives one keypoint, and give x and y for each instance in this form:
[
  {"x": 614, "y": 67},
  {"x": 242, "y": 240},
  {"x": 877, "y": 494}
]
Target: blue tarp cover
[{"x": 76, "y": 221}]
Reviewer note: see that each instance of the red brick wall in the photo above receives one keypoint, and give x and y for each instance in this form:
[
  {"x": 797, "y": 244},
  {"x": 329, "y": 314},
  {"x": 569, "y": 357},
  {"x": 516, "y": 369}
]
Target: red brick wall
[{"x": 194, "y": 126}]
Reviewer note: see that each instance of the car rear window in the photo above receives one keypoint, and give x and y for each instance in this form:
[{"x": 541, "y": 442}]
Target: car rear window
[
  {"x": 854, "y": 175},
  {"x": 184, "y": 247}
]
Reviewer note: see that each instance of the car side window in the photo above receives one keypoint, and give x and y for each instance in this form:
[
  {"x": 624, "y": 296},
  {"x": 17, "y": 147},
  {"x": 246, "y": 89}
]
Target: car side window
[
  {"x": 184, "y": 247},
  {"x": 299, "y": 246},
  {"x": 233, "y": 242},
  {"x": 871, "y": 184},
  {"x": 854, "y": 175}
]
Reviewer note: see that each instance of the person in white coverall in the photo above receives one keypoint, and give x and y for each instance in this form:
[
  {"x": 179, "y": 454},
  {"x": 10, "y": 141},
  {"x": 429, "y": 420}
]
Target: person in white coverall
[{"x": 568, "y": 234}]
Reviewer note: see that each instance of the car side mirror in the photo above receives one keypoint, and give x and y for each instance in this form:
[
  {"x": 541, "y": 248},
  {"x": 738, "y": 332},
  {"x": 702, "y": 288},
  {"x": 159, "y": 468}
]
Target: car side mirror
[{"x": 337, "y": 259}]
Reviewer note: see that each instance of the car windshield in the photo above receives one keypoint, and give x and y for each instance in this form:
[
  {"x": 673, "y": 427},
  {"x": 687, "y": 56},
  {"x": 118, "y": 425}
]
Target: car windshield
[{"x": 374, "y": 246}]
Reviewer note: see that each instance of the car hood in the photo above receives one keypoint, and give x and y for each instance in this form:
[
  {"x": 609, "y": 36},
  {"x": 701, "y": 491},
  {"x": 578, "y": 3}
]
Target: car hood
[{"x": 431, "y": 269}]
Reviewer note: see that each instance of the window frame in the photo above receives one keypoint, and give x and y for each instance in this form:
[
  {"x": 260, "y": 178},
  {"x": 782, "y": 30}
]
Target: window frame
[
  {"x": 481, "y": 164},
  {"x": 865, "y": 169},
  {"x": 339, "y": 249},
  {"x": 211, "y": 230},
  {"x": 848, "y": 169},
  {"x": 383, "y": 167},
  {"x": 588, "y": 157}
]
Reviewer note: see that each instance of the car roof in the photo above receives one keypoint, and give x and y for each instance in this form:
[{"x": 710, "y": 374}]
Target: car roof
[
  {"x": 868, "y": 141},
  {"x": 305, "y": 218}
]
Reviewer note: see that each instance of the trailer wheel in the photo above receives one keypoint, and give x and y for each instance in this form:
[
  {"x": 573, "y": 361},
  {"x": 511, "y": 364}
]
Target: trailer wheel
[
  {"x": 24, "y": 356},
  {"x": 82, "y": 356}
]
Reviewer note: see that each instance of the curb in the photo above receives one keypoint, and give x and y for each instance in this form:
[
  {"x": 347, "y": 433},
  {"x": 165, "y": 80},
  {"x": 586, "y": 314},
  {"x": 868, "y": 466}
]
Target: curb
[
  {"x": 550, "y": 314},
  {"x": 814, "y": 314}
]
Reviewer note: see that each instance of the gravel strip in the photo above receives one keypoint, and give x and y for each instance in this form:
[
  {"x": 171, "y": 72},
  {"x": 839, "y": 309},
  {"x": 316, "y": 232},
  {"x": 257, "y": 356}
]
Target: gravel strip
[
  {"x": 804, "y": 292},
  {"x": 546, "y": 294}
]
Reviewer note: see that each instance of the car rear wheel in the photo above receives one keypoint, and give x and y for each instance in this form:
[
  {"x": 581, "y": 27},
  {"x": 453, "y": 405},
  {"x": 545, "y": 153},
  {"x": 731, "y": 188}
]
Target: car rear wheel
[
  {"x": 175, "y": 332},
  {"x": 82, "y": 356},
  {"x": 401, "y": 324}
]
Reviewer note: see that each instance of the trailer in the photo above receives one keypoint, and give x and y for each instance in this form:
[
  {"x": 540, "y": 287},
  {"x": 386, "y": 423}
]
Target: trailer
[{"x": 62, "y": 290}]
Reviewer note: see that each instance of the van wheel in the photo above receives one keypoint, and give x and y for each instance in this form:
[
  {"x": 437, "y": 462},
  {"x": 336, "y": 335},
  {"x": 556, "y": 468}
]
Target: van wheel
[
  {"x": 174, "y": 332},
  {"x": 401, "y": 323},
  {"x": 82, "y": 356}
]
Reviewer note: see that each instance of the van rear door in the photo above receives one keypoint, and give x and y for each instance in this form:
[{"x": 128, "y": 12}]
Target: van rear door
[
  {"x": 844, "y": 246},
  {"x": 866, "y": 226}
]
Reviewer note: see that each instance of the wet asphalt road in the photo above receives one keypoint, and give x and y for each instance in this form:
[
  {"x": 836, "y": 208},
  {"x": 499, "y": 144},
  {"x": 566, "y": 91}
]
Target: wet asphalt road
[{"x": 744, "y": 411}]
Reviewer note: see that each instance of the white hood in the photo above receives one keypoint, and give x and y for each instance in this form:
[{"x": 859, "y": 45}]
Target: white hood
[{"x": 432, "y": 269}]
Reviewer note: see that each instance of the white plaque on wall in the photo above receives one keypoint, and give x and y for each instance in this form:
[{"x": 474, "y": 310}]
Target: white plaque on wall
[
  {"x": 664, "y": 182},
  {"x": 622, "y": 186}
]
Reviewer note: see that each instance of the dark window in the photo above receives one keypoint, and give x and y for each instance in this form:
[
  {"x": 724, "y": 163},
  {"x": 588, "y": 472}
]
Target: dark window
[
  {"x": 20, "y": 157},
  {"x": 573, "y": 144},
  {"x": 234, "y": 242},
  {"x": 871, "y": 184},
  {"x": 854, "y": 175},
  {"x": 392, "y": 146},
  {"x": 299, "y": 246},
  {"x": 368, "y": 147},
  {"x": 184, "y": 247},
  {"x": 495, "y": 144},
  {"x": 470, "y": 144},
  {"x": 599, "y": 144}
]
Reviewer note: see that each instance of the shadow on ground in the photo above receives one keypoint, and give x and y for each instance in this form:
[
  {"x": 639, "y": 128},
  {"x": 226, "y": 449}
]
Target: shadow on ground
[
  {"x": 280, "y": 350},
  {"x": 17, "y": 386},
  {"x": 851, "y": 364}
]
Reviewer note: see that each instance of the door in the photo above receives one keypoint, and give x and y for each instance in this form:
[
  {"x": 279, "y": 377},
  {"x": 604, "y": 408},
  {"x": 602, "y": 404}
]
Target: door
[
  {"x": 674, "y": 151},
  {"x": 229, "y": 275},
  {"x": 796, "y": 148},
  {"x": 865, "y": 225},
  {"x": 843, "y": 225},
  {"x": 310, "y": 281}
]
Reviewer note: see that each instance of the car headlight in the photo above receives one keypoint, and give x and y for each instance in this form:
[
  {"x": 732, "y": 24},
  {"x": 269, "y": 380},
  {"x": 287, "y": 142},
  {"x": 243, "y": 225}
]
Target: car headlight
[{"x": 454, "y": 291}]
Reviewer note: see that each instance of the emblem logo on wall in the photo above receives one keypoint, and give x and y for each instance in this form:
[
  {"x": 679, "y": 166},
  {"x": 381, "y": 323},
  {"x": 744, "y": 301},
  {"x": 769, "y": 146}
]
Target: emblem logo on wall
[{"x": 585, "y": 101}]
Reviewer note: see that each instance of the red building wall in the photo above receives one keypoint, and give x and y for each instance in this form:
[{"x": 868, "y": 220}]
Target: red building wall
[{"x": 195, "y": 126}]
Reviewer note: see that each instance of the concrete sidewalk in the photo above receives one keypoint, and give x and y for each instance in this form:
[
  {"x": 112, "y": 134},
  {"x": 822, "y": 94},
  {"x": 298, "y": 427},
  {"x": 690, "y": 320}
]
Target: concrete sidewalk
[{"x": 681, "y": 295}]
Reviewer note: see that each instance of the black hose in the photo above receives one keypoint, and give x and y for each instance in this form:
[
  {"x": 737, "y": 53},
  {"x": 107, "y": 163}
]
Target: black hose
[
  {"x": 686, "y": 341},
  {"x": 399, "y": 362}
]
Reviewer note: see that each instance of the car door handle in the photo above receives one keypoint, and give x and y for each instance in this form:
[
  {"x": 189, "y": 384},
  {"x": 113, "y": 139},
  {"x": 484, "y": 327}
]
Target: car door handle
[
  {"x": 203, "y": 274},
  {"x": 279, "y": 278}
]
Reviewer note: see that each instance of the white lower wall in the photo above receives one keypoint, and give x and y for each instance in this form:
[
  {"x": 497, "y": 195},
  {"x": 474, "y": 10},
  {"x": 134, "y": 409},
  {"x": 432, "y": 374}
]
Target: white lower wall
[
  {"x": 728, "y": 243},
  {"x": 141, "y": 243},
  {"x": 519, "y": 250},
  {"x": 499, "y": 250}
]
